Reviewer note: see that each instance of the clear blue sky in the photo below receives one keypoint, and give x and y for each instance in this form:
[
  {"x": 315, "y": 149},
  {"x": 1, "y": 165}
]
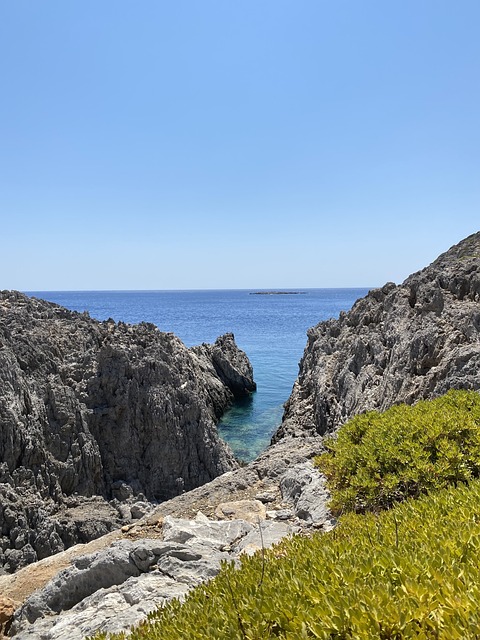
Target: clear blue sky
[{"x": 235, "y": 144}]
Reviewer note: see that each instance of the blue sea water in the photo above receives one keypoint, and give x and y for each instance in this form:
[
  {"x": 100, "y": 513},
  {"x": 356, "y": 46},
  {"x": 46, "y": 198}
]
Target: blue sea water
[{"x": 271, "y": 329}]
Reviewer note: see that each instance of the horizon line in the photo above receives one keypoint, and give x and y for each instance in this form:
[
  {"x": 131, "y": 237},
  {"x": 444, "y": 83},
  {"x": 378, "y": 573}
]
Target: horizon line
[{"x": 273, "y": 289}]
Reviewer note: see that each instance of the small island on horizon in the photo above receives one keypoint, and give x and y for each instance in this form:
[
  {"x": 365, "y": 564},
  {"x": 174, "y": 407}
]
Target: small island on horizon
[{"x": 276, "y": 293}]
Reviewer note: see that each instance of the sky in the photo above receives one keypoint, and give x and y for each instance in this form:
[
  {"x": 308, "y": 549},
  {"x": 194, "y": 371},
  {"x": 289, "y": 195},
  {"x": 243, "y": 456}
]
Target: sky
[{"x": 198, "y": 144}]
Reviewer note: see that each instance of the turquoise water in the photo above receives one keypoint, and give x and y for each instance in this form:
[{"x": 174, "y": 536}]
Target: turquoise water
[{"x": 271, "y": 329}]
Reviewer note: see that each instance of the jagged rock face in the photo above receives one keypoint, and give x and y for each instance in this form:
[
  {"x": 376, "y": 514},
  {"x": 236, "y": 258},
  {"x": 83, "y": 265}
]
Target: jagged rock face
[
  {"x": 398, "y": 344},
  {"x": 231, "y": 365},
  {"x": 89, "y": 407}
]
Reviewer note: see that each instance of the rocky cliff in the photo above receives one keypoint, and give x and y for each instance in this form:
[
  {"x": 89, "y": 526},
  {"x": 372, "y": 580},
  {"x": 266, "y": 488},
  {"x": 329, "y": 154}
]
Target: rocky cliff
[
  {"x": 398, "y": 344},
  {"x": 95, "y": 416}
]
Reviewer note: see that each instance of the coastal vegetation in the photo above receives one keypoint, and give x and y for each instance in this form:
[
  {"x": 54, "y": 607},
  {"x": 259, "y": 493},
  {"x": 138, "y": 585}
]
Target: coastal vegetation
[
  {"x": 389, "y": 570},
  {"x": 381, "y": 458}
]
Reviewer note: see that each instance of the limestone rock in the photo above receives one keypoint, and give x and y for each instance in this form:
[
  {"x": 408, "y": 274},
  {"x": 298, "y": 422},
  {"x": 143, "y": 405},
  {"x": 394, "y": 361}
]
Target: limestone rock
[
  {"x": 266, "y": 496},
  {"x": 103, "y": 580},
  {"x": 398, "y": 344},
  {"x": 111, "y": 610},
  {"x": 264, "y": 536},
  {"x": 262, "y": 476},
  {"x": 116, "y": 587},
  {"x": 304, "y": 487},
  {"x": 249, "y": 510},
  {"x": 216, "y": 533},
  {"x": 231, "y": 365},
  {"x": 140, "y": 509},
  {"x": 7, "y": 609},
  {"x": 280, "y": 514},
  {"x": 97, "y": 411}
]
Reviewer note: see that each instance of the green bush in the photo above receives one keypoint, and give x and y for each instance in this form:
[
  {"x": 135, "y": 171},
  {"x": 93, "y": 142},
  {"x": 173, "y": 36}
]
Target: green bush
[
  {"x": 380, "y": 458},
  {"x": 410, "y": 572}
]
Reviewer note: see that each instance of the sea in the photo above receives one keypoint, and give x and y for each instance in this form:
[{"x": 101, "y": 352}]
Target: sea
[{"x": 269, "y": 326}]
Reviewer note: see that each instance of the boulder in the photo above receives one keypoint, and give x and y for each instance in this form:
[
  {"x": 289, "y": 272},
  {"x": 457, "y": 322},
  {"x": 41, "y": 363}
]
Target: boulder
[
  {"x": 305, "y": 488},
  {"x": 249, "y": 510}
]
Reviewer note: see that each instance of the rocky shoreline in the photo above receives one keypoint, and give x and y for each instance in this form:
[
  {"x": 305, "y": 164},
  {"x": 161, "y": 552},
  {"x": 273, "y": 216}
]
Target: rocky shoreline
[
  {"x": 398, "y": 344},
  {"x": 101, "y": 420}
]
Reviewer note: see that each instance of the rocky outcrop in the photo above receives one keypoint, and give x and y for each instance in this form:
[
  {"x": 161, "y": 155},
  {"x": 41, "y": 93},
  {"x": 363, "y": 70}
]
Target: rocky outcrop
[
  {"x": 116, "y": 587},
  {"x": 231, "y": 365},
  {"x": 95, "y": 414},
  {"x": 398, "y": 344}
]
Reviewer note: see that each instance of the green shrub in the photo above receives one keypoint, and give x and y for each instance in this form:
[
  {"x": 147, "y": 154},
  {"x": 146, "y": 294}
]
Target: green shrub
[
  {"x": 410, "y": 572},
  {"x": 380, "y": 458}
]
